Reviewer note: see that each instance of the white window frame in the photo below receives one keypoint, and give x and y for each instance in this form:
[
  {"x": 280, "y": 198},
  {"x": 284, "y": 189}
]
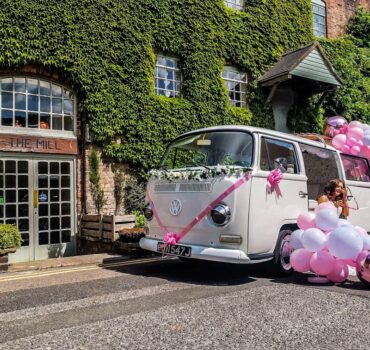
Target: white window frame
[
  {"x": 174, "y": 71},
  {"x": 228, "y": 81},
  {"x": 235, "y": 4},
  {"x": 38, "y": 130},
  {"x": 317, "y": 7}
]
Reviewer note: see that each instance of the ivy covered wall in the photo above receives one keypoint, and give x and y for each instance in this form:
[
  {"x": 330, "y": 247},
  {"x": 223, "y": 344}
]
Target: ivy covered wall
[{"x": 105, "y": 50}]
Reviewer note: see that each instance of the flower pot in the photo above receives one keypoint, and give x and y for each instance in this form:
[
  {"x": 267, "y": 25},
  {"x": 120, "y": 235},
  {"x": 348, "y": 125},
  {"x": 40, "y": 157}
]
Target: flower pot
[{"x": 4, "y": 265}]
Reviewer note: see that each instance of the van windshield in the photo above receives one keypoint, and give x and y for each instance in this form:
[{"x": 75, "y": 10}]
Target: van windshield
[{"x": 224, "y": 148}]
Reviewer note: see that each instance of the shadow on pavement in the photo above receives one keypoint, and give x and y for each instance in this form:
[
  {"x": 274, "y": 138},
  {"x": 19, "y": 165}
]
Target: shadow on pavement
[{"x": 197, "y": 272}]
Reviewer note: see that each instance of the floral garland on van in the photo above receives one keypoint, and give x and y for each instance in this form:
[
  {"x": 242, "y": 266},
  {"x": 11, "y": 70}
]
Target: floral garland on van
[{"x": 197, "y": 174}]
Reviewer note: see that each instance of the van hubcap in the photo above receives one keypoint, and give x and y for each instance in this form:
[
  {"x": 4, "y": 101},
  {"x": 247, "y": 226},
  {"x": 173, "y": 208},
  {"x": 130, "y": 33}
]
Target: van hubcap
[{"x": 285, "y": 251}]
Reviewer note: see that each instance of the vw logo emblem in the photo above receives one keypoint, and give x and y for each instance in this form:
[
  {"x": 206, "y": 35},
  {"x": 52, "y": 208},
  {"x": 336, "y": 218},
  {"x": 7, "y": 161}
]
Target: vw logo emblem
[{"x": 175, "y": 207}]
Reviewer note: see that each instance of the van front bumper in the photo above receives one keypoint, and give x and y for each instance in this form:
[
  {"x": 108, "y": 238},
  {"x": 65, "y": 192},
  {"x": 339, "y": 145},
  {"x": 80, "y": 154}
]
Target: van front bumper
[{"x": 235, "y": 256}]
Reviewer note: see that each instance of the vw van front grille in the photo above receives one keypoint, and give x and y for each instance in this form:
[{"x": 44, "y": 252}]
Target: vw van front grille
[
  {"x": 168, "y": 187},
  {"x": 184, "y": 187},
  {"x": 195, "y": 187}
]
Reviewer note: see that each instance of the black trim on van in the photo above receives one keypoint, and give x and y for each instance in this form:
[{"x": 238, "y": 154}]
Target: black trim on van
[{"x": 261, "y": 256}]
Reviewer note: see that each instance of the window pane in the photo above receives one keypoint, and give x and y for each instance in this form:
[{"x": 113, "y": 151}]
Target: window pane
[
  {"x": 7, "y": 100},
  {"x": 33, "y": 120},
  {"x": 54, "y": 237},
  {"x": 10, "y": 167},
  {"x": 44, "y": 88},
  {"x": 33, "y": 103},
  {"x": 56, "y": 91},
  {"x": 20, "y": 119},
  {"x": 6, "y": 118},
  {"x": 68, "y": 123},
  {"x": 56, "y": 105},
  {"x": 20, "y": 101},
  {"x": 7, "y": 84},
  {"x": 20, "y": 84},
  {"x": 67, "y": 107},
  {"x": 45, "y": 104},
  {"x": 57, "y": 122},
  {"x": 32, "y": 86},
  {"x": 356, "y": 169},
  {"x": 44, "y": 121}
]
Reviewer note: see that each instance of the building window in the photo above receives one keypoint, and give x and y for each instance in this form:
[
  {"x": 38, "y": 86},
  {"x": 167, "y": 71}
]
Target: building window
[
  {"x": 167, "y": 76},
  {"x": 319, "y": 18},
  {"x": 236, "y": 84},
  {"x": 37, "y": 104},
  {"x": 235, "y": 4}
]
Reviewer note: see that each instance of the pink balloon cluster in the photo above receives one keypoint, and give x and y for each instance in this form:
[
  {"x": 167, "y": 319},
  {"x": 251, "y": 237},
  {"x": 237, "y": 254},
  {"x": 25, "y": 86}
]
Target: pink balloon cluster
[
  {"x": 326, "y": 245},
  {"x": 353, "y": 138}
]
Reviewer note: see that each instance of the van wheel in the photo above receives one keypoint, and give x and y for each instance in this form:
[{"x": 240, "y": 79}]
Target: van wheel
[{"x": 281, "y": 261}]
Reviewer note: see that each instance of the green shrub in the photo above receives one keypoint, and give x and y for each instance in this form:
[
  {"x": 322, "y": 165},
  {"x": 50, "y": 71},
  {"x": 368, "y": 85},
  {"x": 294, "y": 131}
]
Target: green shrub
[
  {"x": 140, "y": 219},
  {"x": 9, "y": 237},
  {"x": 134, "y": 195}
]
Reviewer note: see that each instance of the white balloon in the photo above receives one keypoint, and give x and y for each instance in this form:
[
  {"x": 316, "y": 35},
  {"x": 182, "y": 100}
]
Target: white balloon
[
  {"x": 313, "y": 239},
  {"x": 327, "y": 219},
  {"x": 366, "y": 241},
  {"x": 344, "y": 222},
  {"x": 296, "y": 239},
  {"x": 345, "y": 242}
]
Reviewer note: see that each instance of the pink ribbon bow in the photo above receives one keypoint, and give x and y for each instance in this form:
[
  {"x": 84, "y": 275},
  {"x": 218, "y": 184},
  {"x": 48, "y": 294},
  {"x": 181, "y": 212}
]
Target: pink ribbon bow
[
  {"x": 273, "y": 180},
  {"x": 170, "y": 238}
]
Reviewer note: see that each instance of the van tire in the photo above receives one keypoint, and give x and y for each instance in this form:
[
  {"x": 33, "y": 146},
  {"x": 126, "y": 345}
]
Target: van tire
[{"x": 281, "y": 261}]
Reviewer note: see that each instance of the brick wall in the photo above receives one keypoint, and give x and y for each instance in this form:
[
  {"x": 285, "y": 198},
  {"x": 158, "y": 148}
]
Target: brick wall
[
  {"x": 338, "y": 12},
  {"x": 107, "y": 170}
]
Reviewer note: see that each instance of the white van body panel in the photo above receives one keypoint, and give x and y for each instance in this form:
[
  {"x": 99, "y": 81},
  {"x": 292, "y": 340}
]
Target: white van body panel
[
  {"x": 268, "y": 213},
  {"x": 359, "y": 213}
]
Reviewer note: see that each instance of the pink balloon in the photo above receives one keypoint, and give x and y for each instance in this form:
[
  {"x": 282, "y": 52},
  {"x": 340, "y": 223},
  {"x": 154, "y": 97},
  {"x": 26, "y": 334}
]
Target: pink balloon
[
  {"x": 350, "y": 262},
  {"x": 355, "y": 150},
  {"x": 354, "y": 124},
  {"x": 351, "y": 141},
  {"x": 356, "y": 132},
  {"x": 346, "y": 149},
  {"x": 339, "y": 141},
  {"x": 366, "y": 151},
  {"x": 361, "y": 230},
  {"x": 322, "y": 263},
  {"x": 306, "y": 220},
  {"x": 339, "y": 273},
  {"x": 361, "y": 257},
  {"x": 300, "y": 260}
]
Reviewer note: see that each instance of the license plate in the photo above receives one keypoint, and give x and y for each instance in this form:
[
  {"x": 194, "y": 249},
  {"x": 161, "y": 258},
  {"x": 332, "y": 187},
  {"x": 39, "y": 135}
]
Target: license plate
[{"x": 174, "y": 249}]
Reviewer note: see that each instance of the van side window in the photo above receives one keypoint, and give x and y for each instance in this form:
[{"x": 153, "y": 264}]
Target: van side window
[
  {"x": 356, "y": 169},
  {"x": 322, "y": 165},
  {"x": 276, "y": 154}
]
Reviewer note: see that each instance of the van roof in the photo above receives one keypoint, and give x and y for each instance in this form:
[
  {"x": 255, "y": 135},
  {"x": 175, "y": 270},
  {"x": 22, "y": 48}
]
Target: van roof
[{"x": 274, "y": 133}]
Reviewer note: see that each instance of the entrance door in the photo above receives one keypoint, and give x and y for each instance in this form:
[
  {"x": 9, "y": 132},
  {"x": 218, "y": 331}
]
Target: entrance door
[
  {"x": 37, "y": 195},
  {"x": 53, "y": 203}
]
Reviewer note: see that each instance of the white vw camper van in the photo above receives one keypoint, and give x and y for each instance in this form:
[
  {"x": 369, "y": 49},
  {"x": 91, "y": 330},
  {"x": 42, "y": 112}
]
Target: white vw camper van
[{"x": 197, "y": 193}]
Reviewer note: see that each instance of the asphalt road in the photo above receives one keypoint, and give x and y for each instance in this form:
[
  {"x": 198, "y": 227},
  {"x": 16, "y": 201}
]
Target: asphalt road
[{"x": 167, "y": 304}]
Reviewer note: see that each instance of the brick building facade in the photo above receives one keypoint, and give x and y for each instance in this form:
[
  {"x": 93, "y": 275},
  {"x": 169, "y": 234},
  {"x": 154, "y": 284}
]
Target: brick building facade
[{"x": 338, "y": 13}]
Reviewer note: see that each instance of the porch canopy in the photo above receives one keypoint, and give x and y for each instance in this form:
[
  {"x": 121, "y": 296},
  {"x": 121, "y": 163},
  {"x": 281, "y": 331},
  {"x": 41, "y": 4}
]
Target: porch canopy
[{"x": 306, "y": 71}]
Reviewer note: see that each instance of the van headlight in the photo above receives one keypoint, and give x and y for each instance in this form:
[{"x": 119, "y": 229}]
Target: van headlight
[
  {"x": 220, "y": 214},
  {"x": 148, "y": 212}
]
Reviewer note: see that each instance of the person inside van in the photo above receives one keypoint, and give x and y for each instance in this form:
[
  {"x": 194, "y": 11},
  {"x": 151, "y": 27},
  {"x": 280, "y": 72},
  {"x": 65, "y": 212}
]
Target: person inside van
[{"x": 336, "y": 193}]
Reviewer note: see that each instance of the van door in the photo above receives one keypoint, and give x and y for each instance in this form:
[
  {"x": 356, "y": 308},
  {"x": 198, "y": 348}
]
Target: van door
[
  {"x": 268, "y": 211},
  {"x": 357, "y": 178}
]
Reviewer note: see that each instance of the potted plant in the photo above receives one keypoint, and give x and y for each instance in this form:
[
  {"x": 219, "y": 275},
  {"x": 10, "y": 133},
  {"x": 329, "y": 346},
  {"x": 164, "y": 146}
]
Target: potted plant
[{"x": 10, "y": 241}]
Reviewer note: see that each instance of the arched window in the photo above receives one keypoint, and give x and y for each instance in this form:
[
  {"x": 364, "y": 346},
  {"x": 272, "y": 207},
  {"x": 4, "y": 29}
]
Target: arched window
[{"x": 38, "y": 104}]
